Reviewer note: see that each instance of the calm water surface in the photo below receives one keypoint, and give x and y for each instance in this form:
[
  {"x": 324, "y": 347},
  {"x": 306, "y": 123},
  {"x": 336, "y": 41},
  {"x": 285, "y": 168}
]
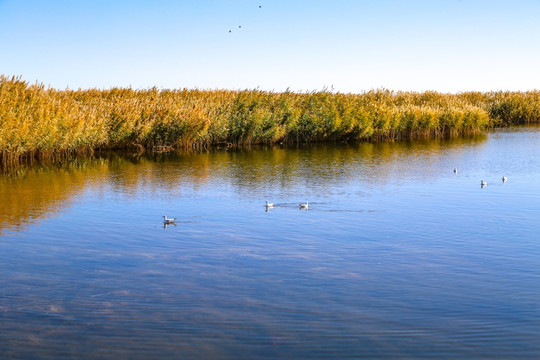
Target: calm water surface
[{"x": 397, "y": 256}]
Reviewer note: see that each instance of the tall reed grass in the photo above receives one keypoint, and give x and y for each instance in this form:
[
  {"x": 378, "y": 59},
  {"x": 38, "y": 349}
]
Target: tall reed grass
[{"x": 38, "y": 122}]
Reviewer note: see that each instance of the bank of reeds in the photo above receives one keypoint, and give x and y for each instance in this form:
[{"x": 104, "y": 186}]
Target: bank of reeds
[{"x": 37, "y": 122}]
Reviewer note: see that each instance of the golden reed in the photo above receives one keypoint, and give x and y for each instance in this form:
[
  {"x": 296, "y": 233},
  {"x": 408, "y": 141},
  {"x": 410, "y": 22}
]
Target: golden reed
[{"x": 39, "y": 122}]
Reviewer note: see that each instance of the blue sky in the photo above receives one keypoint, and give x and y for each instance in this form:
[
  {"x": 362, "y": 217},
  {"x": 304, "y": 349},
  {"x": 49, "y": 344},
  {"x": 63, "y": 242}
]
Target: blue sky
[{"x": 352, "y": 46}]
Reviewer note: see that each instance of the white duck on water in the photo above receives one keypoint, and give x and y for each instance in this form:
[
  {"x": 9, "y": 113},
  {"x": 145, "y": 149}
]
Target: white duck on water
[
  {"x": 269, "y": 204},
  {"x": 304, "y": 206},
  {"x": 167, "y": 220}
]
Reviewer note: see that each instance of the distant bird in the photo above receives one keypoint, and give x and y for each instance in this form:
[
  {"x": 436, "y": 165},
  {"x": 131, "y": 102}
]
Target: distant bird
[
  {"x": 239, "y": 26},
  {"x": 455, "y": 171},
  {"x": 269, "y": 205},
  {"x": 304, "y": 206},
  {"x": 504, "y": 179},
  {"x": 260, "y": 6},
  {"x": 167, "y": 220},
  {"x": 483, "y": 183},
  {"x": 230, "y": 31}
]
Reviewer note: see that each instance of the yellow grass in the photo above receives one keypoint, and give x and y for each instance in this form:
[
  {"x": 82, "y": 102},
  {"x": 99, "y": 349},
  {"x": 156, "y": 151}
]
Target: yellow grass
[{"x": 36, "y": 122}]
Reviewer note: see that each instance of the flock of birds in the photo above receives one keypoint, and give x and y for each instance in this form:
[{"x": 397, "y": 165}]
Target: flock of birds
[
  {"x": 305, "y": 206},
  {"x": 484, "y": 183},
  {"x": 268, "y": 205},
  {"x": 240, "y": 26}
]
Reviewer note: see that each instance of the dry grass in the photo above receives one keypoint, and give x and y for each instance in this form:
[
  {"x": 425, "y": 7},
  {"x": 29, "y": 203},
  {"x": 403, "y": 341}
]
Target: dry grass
[{"x": 38, "y": 123}]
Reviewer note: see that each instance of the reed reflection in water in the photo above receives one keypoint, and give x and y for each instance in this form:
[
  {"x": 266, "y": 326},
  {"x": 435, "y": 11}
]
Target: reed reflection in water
[
  {"x": 397, "y": 256},
  {"x": 31, "y": 193}
]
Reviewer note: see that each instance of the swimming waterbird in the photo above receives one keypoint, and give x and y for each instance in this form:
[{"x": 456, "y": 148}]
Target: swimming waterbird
[
  {"x": 167, "y": 220},
  {"x": 304, "y": 206}
]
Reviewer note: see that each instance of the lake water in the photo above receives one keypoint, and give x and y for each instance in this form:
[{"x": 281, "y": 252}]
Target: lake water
[{"x": 396, "y": 257}]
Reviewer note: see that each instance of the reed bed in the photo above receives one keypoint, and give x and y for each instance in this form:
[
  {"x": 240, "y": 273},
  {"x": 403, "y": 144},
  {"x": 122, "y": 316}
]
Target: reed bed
[{"x": 38, "y": 122}]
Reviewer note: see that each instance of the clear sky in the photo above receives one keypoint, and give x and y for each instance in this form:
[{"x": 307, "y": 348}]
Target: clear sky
[{"x": 350, "y": 45}]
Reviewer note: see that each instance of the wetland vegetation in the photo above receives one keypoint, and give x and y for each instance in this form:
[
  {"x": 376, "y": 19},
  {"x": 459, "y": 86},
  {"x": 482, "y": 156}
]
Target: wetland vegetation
[{"x": 39, "y": 122}]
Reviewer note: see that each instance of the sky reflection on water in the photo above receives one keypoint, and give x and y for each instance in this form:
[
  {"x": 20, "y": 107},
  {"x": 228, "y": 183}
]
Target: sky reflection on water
[{"x": 397, "y": 256}]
